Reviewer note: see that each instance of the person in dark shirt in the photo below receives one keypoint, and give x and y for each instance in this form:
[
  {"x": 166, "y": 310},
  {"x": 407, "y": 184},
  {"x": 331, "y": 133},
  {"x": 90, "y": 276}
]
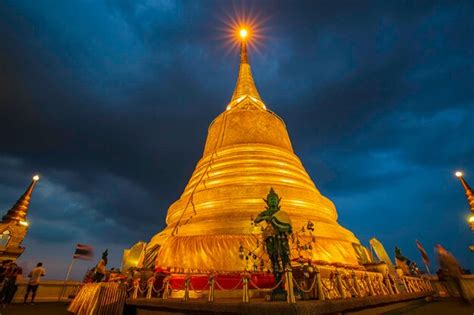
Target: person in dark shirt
[
  {"x": 11, "y": 285},
  {"x": 8, "y": 275},
  {"x": 3, "y": 269}
]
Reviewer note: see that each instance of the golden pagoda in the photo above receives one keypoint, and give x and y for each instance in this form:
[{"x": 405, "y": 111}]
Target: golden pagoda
[
  {"x": 14, "y": 226},
  {"x": 247, "y": 152},
  {"x": 469, "y": 196}
]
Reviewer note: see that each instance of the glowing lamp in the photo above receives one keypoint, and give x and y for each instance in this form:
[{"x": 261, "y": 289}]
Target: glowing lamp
[
  {"x": 470, "y": 220},
  {"x": 458, "y": 174},
  {"x": 243, "y": 33},
  {"x": 24, "y": 223},
  {"x": 36, "y": 178}
]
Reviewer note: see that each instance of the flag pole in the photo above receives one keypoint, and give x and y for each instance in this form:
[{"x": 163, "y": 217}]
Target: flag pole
[
  {"x": 424, "y": 256},
  {"x": 67, "y": 278},
  {"x": 427, "y": 268},
  {"x": 372, "y": 251}
]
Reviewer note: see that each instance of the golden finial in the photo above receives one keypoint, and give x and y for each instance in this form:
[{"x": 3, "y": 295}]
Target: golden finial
[
  {"x": 467, "y": 189},
  {"x": 245, "y": 86},
  {"x": 19, "y": 210}
]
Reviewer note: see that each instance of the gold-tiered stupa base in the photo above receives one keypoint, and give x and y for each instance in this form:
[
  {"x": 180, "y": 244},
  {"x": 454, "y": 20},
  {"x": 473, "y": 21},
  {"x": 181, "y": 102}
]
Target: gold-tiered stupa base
[{"x": 220, "y": 253}]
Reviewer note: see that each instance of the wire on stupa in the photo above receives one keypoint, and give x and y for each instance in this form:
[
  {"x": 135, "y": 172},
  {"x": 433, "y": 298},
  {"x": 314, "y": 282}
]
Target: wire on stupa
[
  {"x": 211, "y": 160},
  {"x": 243, "y": 60}
]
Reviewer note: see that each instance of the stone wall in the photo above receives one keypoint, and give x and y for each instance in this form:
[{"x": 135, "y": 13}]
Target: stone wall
[{"x": 48, "y": 291}]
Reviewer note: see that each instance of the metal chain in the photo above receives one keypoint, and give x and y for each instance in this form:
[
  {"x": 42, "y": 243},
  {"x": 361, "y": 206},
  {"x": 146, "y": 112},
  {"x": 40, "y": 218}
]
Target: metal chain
[
  {"x": 183, "y": 288},
  {"x": 234, "y": 288},
  {"x": 157, "y": 291},
  {"x": 198, "y": 290},
  {"x": 347, "y": 286},
  {"x": 326, "y": 287},
  {"x": 307, "y": 290},
  {"x": 272, "y": 288},
  {"x": 140, "y": 289}
]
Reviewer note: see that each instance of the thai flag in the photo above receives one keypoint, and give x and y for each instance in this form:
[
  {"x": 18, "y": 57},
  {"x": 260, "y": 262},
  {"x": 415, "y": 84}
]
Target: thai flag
[
  {"x": 84, "y": 252},
  {"x": 424, "y": 255}
]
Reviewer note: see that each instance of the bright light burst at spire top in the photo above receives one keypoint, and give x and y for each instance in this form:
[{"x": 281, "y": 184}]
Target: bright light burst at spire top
[
  {"x": 243, "y": 33},
  {"x": 242, "y": 27}
]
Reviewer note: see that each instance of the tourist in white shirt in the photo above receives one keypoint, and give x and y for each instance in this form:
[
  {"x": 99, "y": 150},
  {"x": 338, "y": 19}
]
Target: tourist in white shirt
[{"x": 33, "y": 284}]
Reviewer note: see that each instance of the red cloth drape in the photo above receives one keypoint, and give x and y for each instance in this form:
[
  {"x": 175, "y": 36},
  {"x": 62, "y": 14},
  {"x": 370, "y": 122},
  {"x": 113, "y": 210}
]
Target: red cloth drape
[{"x": 226, "y": 281}]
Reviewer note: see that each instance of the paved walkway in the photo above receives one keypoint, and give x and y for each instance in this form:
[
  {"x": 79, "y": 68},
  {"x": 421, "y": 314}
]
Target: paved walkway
[
  {"x": 421, "y": 307},
  {"x": 54, "y": 308},
  {"x": 261, "y": 307}
]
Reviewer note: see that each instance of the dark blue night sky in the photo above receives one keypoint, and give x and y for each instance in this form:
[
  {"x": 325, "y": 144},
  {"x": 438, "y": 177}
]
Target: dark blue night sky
[{"x": 110, "y": 102}]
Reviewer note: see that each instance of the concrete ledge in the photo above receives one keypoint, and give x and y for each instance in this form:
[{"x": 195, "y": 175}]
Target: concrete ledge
[
  {"x": 48, "y": 291},
  {"x": 160, "y": 306}
]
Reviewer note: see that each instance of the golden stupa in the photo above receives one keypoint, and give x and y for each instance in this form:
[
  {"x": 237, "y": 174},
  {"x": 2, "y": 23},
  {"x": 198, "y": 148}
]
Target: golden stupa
[
  {"x": 247, "y": 152},
  {"x": 13, "y": 226}
]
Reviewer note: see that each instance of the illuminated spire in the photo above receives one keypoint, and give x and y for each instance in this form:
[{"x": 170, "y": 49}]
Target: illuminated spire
[
  {"x": 245, "y": 86},
  {"x": 19, "y": 210},
  {"x": 467, "y": 190}
]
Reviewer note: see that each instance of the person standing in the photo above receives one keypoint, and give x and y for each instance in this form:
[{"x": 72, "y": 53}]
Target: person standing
[
  {"x": 7, "y": 275},
  {"x": 33, "y": 284},
  {"x": 12, "y": 285},
  {"x": 4, "y": 269},
  {"x": 100, "y": 268}
]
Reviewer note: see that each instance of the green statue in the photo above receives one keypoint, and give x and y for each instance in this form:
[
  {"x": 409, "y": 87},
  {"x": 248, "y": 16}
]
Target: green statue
[
  {"x": 276, "y": 234},
  {"x": 413, "y": 269},
  {"x": 399, "y": 256}
]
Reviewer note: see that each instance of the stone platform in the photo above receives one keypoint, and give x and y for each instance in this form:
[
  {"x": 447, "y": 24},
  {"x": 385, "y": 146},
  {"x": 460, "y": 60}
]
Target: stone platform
[{"x": 142, "y": 306}]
